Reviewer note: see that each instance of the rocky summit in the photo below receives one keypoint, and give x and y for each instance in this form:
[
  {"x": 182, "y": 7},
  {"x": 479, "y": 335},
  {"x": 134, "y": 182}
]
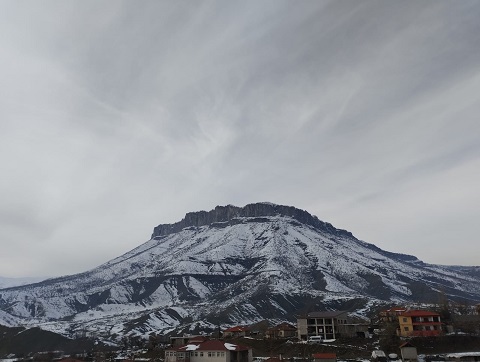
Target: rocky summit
[{"x": 232, "y": 265}]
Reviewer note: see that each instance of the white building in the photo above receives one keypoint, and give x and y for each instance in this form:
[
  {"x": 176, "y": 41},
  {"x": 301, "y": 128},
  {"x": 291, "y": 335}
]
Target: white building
[{"x": 211, "y": 351}]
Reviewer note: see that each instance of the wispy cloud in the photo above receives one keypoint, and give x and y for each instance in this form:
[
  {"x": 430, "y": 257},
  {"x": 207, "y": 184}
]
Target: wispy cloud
[{"x": 116, "y": 117}]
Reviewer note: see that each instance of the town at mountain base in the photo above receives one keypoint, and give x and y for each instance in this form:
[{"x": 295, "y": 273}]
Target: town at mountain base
[
  {"x": 320, "y": 336},
  {"x": 233, "y": 266}
]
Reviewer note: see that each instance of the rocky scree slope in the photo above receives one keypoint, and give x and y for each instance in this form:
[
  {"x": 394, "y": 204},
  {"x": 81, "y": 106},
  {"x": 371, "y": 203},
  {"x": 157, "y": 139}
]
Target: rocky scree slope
[{"x": 230, "y": 266}]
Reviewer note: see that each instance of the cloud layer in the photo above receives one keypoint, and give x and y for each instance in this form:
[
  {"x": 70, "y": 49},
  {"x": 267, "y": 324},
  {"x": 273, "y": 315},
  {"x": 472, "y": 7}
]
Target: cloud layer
[{"x": 115, "y": 117}]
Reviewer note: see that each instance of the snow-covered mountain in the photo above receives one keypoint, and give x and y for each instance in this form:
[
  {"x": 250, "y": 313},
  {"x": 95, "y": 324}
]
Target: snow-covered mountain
[{"x": 232, "y": 265}]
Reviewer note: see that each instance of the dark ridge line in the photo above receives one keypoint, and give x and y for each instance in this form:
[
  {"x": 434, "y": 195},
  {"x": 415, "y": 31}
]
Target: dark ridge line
[{"x": 222, "y": 214}]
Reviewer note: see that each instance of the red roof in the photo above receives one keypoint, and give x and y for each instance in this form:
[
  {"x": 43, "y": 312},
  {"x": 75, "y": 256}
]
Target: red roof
[
  {"x": 394, "y": 310},
  {"x": 211, "y": 345},
  {"x": 217, "y": 345},
  {"x": 419, "y": 313},
  {"x": 324, "y": 355},
  {"x": 236, "y": 329},
  {"x": 198, "y": 339}
]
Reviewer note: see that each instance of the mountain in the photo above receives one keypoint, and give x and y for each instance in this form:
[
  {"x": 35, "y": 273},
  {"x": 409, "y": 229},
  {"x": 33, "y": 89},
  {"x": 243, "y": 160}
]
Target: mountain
[
  {"x": 21, "y": 341},
  {"x": 232, "y": 265}
]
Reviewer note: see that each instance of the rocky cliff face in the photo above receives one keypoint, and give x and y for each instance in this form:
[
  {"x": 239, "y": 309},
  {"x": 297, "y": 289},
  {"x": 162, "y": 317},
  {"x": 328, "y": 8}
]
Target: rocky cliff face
[
  {"x": 230, "y": 266},
  {"x": 225, "y": 214}
]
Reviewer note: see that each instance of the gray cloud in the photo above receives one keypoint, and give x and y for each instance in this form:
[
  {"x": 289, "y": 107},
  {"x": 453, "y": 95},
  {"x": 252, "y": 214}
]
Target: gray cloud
[{"x": 115, "y": 117}]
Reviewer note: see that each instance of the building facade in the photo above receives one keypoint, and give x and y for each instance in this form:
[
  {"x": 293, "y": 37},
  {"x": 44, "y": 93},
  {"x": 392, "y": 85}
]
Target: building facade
[
  {"x": 408, "y": 352},
  {"x": 391, "y": 314},
  {"x": 330, "y": 325},
  {"x": 209, "y": 351},
  {"x": 324, "y": 324},
  {"x": 283, "y": 330},
  {"x": 236, "y": 332},
  {"x": 419, "y": 323}
]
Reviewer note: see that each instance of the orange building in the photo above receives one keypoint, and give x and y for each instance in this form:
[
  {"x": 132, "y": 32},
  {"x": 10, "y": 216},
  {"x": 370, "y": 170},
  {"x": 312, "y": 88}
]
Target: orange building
[{"x": 419, "y": 323}]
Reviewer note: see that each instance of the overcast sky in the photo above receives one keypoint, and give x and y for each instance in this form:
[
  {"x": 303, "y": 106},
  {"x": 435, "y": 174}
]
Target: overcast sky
[{"x": 118, "y": 116}]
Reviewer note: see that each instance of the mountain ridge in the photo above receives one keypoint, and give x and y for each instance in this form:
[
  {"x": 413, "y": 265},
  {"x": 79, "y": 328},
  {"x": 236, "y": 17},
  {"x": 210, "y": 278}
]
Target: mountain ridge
[
  {"x": 230, "y": 266},
  {"x": 229, "y": 212}
]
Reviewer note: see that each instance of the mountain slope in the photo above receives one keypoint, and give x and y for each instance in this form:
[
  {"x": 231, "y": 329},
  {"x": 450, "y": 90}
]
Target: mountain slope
[{"x": 232, "y": 265}]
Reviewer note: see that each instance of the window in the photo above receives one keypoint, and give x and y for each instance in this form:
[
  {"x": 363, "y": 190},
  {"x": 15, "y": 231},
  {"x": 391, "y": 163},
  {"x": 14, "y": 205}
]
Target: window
[
  {"x": 196, "y": 354},
  {"x": 218, "y": 354},
  {"x": 404, "y": 320},
  {"x": 201, "y": 354},
  {"x": 405, "y": 329},
  {"x": 210, "y": 354},
  {"x": 223, "y": 354}
]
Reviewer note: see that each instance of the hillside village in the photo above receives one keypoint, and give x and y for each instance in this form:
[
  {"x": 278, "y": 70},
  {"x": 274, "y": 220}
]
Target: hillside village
[
  {"x": 320, "y": 336},
  {"x": 325, "y": 331}
]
